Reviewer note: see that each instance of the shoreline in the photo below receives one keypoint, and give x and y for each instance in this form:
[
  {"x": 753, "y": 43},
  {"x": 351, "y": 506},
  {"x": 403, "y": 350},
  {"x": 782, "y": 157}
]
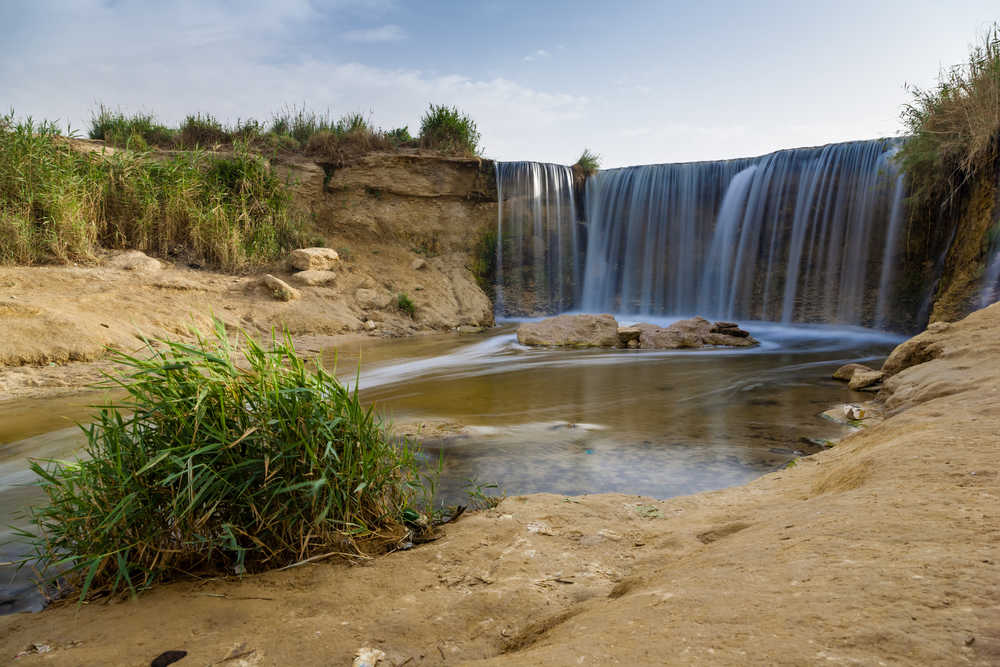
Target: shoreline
[{"x": 882, "y": 548}]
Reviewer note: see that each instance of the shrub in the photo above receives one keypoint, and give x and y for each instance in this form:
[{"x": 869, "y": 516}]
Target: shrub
[
  {"x": 206, "y": 131},
  {"x": 405, "y": 305},
  {"x": 399, "y": 136},
  {"x": 484, "y": 260},
  {"x": 448, "y": 130},
  {"x": 212, "y": 468},
  {"x": 138, "y": 131},
  {"x": 588, "y": 163},
  {"x": 955, "y": 126}
]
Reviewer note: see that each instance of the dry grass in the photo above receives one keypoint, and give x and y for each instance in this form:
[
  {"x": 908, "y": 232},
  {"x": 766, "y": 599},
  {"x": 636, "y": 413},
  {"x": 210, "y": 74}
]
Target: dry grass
[{"x": 955, "y": 126}]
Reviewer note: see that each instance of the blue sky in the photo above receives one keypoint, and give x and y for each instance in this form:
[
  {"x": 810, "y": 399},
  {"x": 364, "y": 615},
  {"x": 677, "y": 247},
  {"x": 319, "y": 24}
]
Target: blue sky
[{"x": 637, "y": 82}]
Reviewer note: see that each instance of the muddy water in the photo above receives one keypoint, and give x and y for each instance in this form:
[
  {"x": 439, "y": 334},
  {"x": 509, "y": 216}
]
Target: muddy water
[{"x": 560, "y": 421}]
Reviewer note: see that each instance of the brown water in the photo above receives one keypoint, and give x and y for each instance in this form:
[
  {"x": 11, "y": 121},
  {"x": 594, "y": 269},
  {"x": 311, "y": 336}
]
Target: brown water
[{"x": 561, "y": 421}]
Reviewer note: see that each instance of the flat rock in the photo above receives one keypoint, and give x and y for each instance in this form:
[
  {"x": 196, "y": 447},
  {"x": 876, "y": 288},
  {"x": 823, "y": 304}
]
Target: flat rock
[
  {"x": 313, "y": 277},
  {"x": 570, "y": 331},
  {"x": 281, "y": 290},
  {"x": 847, "y": 371},
  {"x": 320, "y": 259}
]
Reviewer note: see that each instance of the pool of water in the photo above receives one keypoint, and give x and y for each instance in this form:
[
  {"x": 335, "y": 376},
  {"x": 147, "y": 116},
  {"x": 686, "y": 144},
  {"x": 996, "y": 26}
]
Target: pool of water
[{"x": 656, "y": 423}]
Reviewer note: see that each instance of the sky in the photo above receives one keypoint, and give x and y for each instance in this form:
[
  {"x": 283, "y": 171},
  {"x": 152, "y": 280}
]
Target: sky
[{"x": 636, "y": 82}]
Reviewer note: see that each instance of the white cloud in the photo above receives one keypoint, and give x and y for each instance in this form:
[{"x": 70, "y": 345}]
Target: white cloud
[
  {"x": 540, "y": 53},
  {"x": 385, "y": 33}
]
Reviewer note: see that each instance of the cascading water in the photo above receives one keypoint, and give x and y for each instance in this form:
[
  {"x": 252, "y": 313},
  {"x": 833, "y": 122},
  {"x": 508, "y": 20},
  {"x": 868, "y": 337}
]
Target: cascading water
[
  {"x": 991, "y": 280},
  {"x": 538, "y": 257},
  {"x": 809, "y": 234}
]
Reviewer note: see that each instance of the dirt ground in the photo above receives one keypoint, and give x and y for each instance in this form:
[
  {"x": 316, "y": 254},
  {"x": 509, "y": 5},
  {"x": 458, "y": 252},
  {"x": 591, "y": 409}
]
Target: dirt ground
[
  {"x": 54, "y": 317},
  {"x": 882, "y": 550}
]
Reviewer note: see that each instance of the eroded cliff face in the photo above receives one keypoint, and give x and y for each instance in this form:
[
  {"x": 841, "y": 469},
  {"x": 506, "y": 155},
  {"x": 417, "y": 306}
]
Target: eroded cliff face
[
  {"x": 966, "y": 258},
  {"x": 405, "y": 223}
]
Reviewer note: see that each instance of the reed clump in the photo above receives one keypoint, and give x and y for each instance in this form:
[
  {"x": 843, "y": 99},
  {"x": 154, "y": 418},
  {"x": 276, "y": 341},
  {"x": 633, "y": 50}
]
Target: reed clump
[
  {"x": 955, "y": 126},
  {"x": 60, "y": 204},
  {"x": 212, "y": 468}
]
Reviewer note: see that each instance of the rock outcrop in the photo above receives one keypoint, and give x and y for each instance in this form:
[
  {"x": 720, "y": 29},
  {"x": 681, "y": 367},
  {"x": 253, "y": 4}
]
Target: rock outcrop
[
  {"x": 847, "y": 371},
  {"x": 313, "y": 277},
  {"x": 603, "y": 331}
]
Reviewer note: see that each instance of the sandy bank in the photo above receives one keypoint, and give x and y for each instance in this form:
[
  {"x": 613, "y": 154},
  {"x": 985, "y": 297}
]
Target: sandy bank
[{"x": 881, "y": 550}]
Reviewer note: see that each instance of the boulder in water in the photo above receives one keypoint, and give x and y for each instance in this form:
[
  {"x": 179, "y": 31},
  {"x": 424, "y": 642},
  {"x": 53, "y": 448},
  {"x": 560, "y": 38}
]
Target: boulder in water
[
  {"x": 570, "y": 331},
  {"x": 695, "y": 332},
  {"x": 629, "y": 335}
]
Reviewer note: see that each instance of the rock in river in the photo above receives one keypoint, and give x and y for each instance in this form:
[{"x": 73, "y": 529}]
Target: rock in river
[{"x": 570, "y": 331}]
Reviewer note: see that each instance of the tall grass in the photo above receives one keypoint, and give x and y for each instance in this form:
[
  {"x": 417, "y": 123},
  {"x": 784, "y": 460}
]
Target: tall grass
[
  {"x": 447, "y": 129},
  {"x": 59, "y": 204},
  {"x": 48, "y": 200},
  {"x": 138, "y": 131},
  {"x": 212, "y": 468},
  {"x": 955, "y": 125}
]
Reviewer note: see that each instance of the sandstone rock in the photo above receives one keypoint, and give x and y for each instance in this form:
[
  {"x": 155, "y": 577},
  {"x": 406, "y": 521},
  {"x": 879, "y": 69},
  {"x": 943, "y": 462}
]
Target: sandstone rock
[
  {"x": 729, "y": 329},
  {"x": 862, "y": 379},
  {"x": 570, "y": 331},
  {"x": 847, "y": 371},
  {"x": 369, "y": 325},
  {"x": 627, "y": 335},
  {"x": 313, "y": 277},
  {"x": 281, "y": 290},
  {"x": 135, "y": 260},
  {"x": 320, "y": 259},
  {"x": 418, "y": 264},
  {"x": 468, "y": 329},
  {"x": 372, "y": 299},
  {"x": 913, "y": 352}
]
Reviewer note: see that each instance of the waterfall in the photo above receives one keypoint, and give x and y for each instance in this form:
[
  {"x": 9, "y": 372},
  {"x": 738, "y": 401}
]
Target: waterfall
[
  {"x": 808, "y": 234},
  {"x": 991, "y": 281},
  {"x": 538, "y": 257}
]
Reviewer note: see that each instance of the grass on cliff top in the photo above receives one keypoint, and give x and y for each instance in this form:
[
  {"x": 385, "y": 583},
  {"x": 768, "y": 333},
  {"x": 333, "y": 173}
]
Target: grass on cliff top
[
  {"x": 210, "y": 468},
  {"x": 59, "y": 204},
  {"x": 588, "y": 163},
  {"x": 955, "y": 126},
  {"x": 294, "y": 129}
]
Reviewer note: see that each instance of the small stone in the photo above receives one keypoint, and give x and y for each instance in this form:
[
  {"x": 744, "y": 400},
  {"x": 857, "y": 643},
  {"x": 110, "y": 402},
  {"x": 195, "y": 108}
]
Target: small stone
[
  {"x": 418, "y": 264},
  {"x": 863, "y": 379},
  {"x": 281, "y": 290},
  {"x": 370, "y": 325},
  {"x": 847, "y": 371},
  {"x": 314, "y": 277},
  {"x": 321, "y": 259}
]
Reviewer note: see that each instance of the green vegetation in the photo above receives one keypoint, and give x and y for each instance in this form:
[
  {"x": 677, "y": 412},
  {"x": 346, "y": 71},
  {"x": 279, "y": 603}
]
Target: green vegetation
[
  {"x": 210, "y": 468},
  {"x": 449, "y": 130},
  {"x": 405, "y": 305},
  {"x": 480, "y": 496},
  {"x": 138, "y": 131},
  {"x": 60, "y": 204},
  {"x": 588, "y": 163},
  {"x": 955, "y": 126},
  {"x": 484, "y": 260}
]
